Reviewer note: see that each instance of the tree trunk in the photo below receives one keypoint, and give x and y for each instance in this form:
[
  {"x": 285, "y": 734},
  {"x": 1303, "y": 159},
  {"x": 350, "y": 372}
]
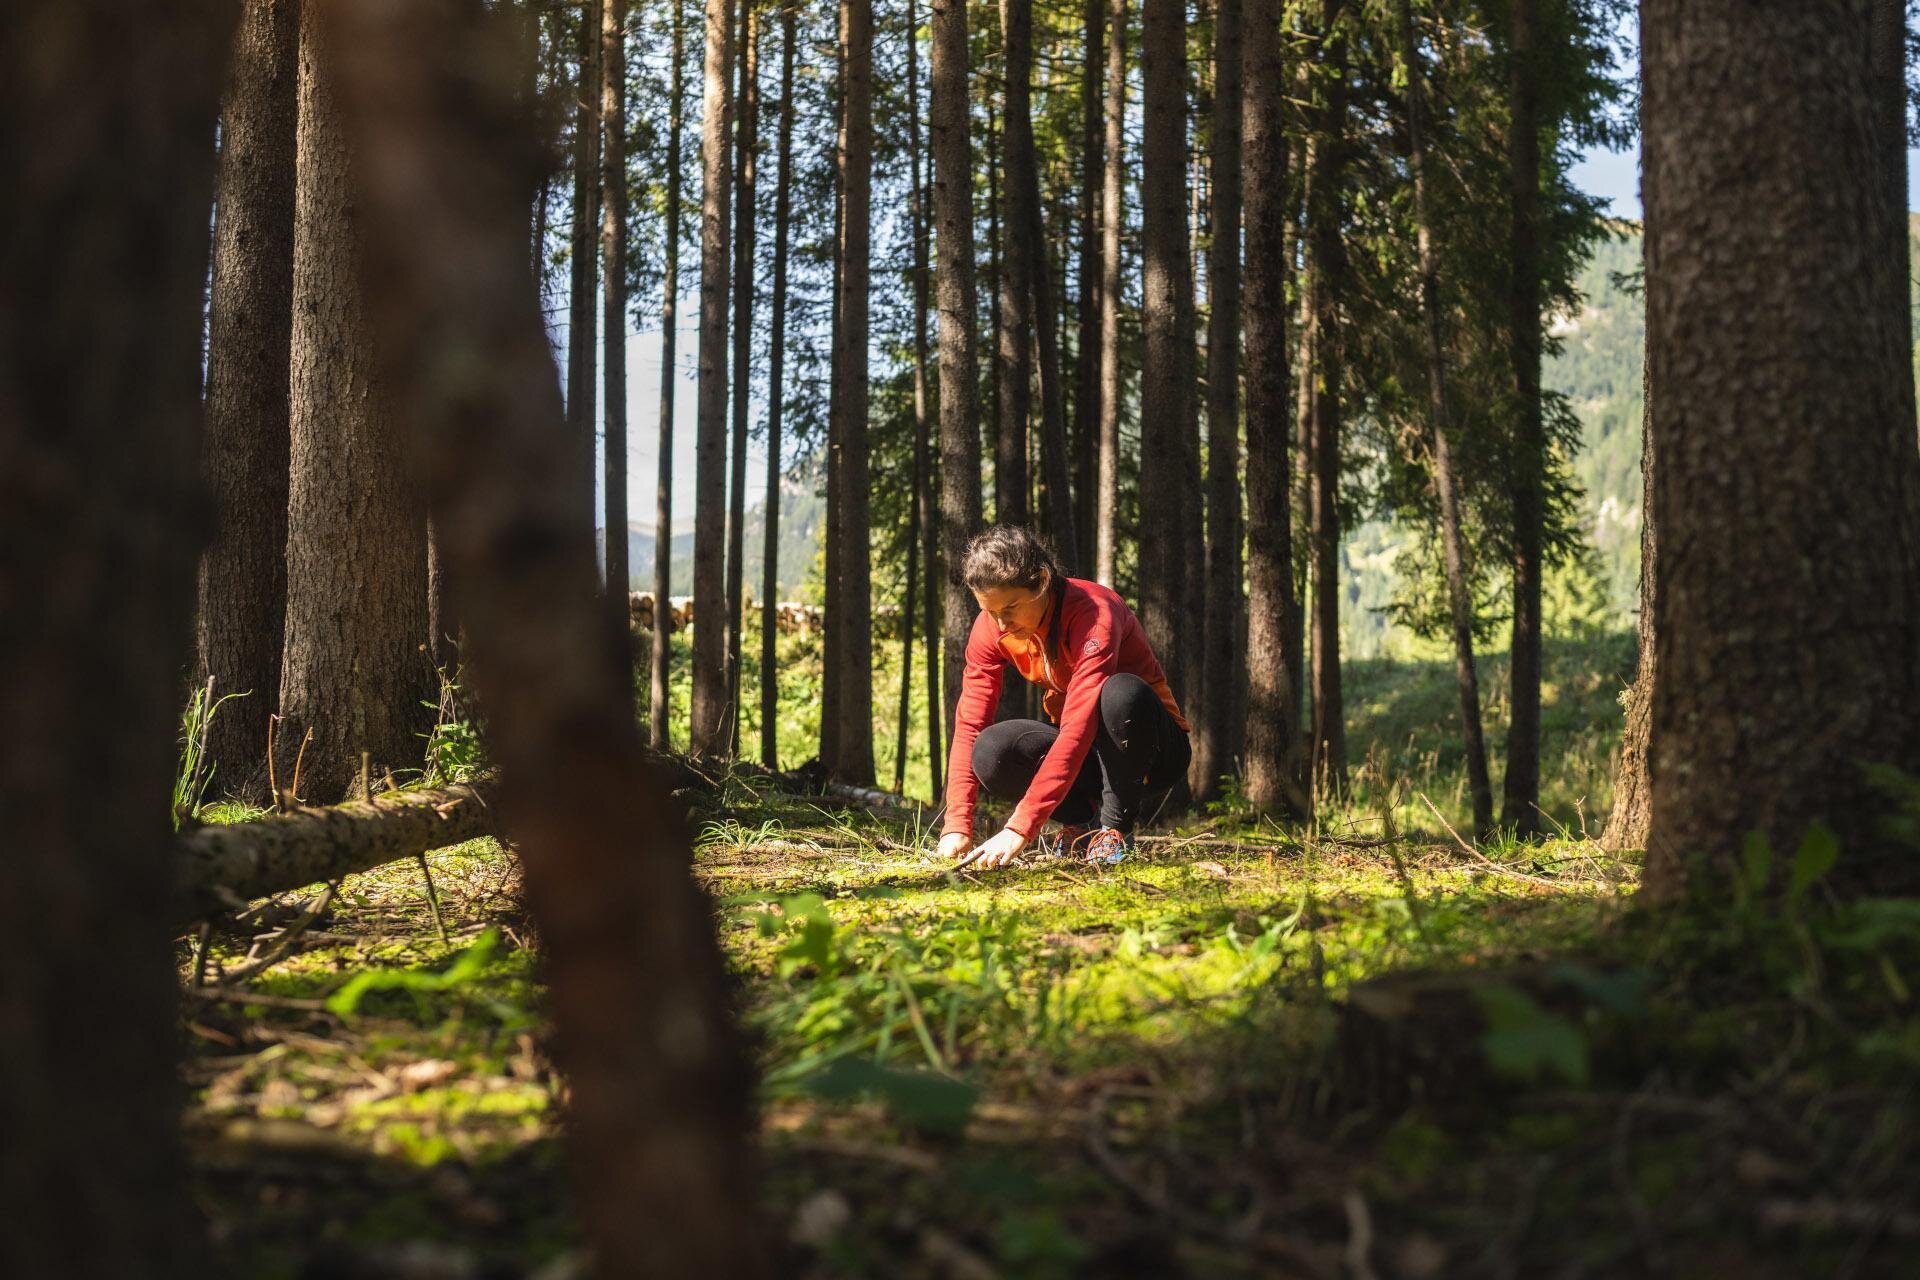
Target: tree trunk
[
  {"x": 1787, "y": 606},
  {"x": 1014, "y": 282},
  {"x": 243, "y": 575},
  {"x": 1056, "y": 474},
  {"x": 1887, "y": 33},
  {"x": 1273, "y": 635},
  {"x": 659, "y": 702},
  {"x": 1112, "y": 224},
  {"x": 613, "y": 249},
  {"x": 106, "y": 147},
  {"x": 1010, "y": 479},
  {"x": 660, "y": 1087},
  {"x": 1459, "y": 598},
  {"x": 1086, "y": 397},
  {"x": 776, "y": 394},
  {"x": 1166, "y": 377},
  {"x": 1520, "y": 791},
  {"x": 1223, "y": 729},
  {"x": 747, "y": 144},
  {"x": 354, "y": 673},
  {"x": 853, "y": 762},
  {"x": 584, "y": 280},
  {"x": 1029, "y": 343},
  {"x": 830, "y": 552},
  {"x": 920, "y": 518},
  {"x": 709, "y": 733},
  {"x": 1632, "y": 814},
  {"x": 443, "y": 625},
  {"x": 1329, "y": 739},
  {"x": 959, "y": 364}
]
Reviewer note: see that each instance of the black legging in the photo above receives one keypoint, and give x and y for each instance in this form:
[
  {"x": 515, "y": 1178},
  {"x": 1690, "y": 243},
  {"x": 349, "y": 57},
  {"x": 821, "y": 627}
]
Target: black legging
[{"x": 1138, "y": 749}]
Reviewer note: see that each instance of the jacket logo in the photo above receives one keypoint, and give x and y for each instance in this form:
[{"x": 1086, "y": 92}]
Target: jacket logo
[{"x": 1091, "y": 647}]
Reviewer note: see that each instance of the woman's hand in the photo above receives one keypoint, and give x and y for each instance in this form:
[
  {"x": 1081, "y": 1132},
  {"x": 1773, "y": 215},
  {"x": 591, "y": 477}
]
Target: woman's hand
[
  {"x": 955, "y": 845},
  {"x": 1002, "y": 849}
]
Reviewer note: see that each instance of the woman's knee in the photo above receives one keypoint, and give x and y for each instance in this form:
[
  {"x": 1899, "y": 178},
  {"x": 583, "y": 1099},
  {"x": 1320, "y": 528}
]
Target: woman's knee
[
  {"x": 1001, "y": 759},
  {"x": 1123, "y": 698}
]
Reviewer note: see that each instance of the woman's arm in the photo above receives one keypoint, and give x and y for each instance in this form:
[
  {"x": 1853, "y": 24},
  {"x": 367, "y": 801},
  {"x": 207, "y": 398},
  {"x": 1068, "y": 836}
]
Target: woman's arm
[{"x": 979, "y": 694}]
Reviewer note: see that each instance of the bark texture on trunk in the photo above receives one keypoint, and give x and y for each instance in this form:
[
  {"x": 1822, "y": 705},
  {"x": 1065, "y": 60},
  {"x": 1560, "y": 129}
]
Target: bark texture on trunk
[
  {"x": 960, "y": 501},
  {"x": 241, "y": 618},
  {"x": 1166, "y": 376},
  {"x": 1112, "y": 223},
  {"x": 1056, "y": 471},
  {"x": 747, "y": 145},
  {"x": 1328, "y": 250},
  {"x": 1453, "y": 543},
  {"x": 1887, "y": 53},
  {"x": 1273, "y": 767},
  {"x": 1632, "y": 813},
  {"x": 921, "y": 544},
  {"x": 106, "y": 149},
  {"x": 1014, "y": 281},
  {"x": 1222, "y": 732},
  {"x": 659, "y": 703},
  {"x": 1086, "y": 396},
  {"x": 708, "y": 734},
  {"x": 853, "y": 650},
  {"x": 584, "y": 279},
  {"x": 613, "y": 321},
  {"x": 1786, "y": 594},
  {"x": 354, "y": 671},
  {"x": 661, "y": 1089},
  {"x": 776, "y": 399},
  {"x": 1520, "y": 789}
]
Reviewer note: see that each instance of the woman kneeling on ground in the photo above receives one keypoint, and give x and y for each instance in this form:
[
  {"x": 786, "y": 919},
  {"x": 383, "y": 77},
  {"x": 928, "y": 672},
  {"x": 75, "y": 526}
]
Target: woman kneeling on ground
[{"x": 1117, "y": 734}]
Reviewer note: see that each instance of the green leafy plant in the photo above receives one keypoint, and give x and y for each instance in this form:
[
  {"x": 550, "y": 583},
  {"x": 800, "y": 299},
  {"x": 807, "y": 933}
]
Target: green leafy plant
[
  {"x": 454, "y": 749},
  {"x": 468, "y": 966}
]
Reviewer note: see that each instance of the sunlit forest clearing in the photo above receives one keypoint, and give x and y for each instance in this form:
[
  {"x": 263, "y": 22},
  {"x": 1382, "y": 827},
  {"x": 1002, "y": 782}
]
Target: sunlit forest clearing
[{"x": 959, "y": 639}]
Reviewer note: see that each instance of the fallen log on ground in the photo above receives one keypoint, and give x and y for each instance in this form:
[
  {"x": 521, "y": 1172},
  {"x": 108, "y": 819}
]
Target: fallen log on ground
[{"x": 222, "y": 868}]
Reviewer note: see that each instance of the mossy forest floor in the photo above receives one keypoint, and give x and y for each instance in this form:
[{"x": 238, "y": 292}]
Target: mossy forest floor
[{"x": 1356, "y": 1050}]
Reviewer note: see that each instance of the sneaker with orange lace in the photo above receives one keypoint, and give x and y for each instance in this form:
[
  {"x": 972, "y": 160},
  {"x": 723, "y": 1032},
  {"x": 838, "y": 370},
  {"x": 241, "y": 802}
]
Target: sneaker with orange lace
[
  {"x": 1108, "y": 846},
  {"x": 1070, "y": 837}
]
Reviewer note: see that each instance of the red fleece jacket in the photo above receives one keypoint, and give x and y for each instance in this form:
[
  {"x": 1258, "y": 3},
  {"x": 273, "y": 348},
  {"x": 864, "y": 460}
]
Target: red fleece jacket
[{"x": 1098, "y": 636}]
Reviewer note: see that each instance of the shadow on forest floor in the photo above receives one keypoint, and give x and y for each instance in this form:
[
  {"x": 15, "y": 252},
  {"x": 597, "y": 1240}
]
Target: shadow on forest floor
[{"x": 1239, "y": 1053}]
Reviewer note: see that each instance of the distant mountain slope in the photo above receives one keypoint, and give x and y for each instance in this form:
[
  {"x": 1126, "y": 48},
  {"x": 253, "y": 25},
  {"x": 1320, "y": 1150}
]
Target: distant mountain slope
[{"x": 802, "y": 515}]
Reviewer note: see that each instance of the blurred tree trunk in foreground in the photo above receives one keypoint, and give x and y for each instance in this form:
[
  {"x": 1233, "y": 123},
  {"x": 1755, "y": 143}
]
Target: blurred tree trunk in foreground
[
  {"x": 107, "y": 150},
  {"x": 660, "y": 1105},
  {"x": 243, "y": 575},
  {"x": 1787, "y": 599}
]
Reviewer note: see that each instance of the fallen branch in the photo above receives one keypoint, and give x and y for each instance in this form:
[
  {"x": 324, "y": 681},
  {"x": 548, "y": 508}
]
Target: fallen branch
[{"x": 222, "y": 868}]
